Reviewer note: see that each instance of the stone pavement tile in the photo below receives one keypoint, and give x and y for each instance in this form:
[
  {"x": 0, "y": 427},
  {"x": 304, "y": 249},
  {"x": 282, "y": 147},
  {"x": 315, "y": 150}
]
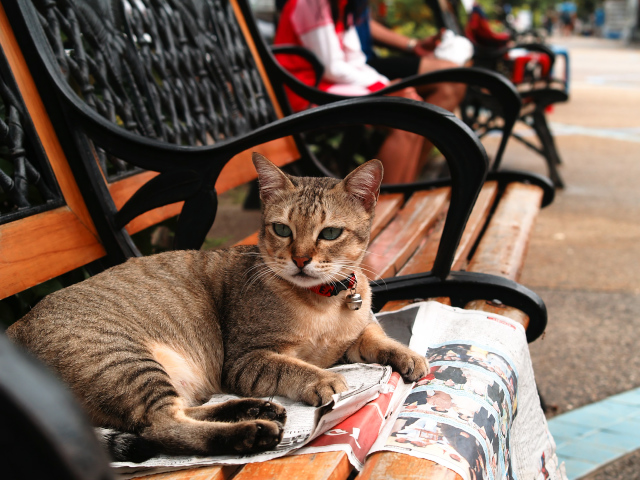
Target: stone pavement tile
[
  {"x": 626, "y": 428},
  {"x": 606, "y": 439},
  {"x": 591, "y": 453},
  {"x": 559, "y": 427},
  {"x": 596, "y": 434},
  {"x": 585, "y": 416},
  {"x": 561, "y": 440},
  {"x": 611, "y": 409},
  {"x": 577, "y": 468}
]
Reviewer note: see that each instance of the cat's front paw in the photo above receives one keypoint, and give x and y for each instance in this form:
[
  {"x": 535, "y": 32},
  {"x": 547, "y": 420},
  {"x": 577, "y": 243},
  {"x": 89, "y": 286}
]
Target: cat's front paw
[
  {"x": 323, "y": 387},
  {"x": 405, "y": 361},
  {"x": 256, "y": 436}
]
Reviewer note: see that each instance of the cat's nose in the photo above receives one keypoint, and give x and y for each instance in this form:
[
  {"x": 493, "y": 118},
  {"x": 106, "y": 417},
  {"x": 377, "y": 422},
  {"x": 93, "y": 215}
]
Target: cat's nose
[{"x": 301, "y": 262}]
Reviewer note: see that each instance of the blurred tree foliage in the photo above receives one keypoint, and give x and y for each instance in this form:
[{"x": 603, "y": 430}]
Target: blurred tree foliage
[
  {"x": 413, "y": 18},
  {"x": 409, "y": 17}
]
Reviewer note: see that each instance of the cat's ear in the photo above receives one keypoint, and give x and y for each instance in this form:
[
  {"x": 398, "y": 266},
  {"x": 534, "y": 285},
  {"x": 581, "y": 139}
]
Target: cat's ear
[
  {"x": 270, "y": 178},
  {"x": 364, "y": 183}
]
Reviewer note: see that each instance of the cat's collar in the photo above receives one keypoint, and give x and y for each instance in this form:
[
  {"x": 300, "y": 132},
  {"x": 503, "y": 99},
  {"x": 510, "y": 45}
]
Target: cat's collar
[{"x": 332, "y": 289}]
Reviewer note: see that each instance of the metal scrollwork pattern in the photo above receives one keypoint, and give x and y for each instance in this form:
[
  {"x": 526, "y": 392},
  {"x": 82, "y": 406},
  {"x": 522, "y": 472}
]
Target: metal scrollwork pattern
[
  {"x": 26, "y": 183},
  {"x": 175, "y": 70}
]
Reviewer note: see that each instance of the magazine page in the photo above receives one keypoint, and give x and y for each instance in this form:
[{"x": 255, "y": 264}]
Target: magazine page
[
  {"x": 357, "y": 434},
  {"x": 304, "y": 423},
  {"x": 477, "y": 412}
]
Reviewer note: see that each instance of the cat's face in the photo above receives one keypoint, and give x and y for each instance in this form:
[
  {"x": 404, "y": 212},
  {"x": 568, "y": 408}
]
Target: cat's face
[{"x": 316, "y": 230}]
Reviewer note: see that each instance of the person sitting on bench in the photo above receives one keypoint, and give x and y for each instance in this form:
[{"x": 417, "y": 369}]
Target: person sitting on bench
[{"x": 327, "y": 28}]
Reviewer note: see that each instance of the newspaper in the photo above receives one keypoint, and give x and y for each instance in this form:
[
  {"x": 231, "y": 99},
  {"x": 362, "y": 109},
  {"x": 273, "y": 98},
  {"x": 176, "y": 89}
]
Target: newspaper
[
  {"x": 477, "y": 412},
  {"x": 304, "y": 423}
]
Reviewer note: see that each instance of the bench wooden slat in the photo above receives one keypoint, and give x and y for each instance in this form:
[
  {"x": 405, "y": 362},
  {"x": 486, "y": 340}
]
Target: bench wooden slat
[
  {"x": 27, "y": 247},
  {"x": 503, "y": 246},
  {"x": 504, "y": 310},
  {"x": 391, "y": 248},
  {"x": 386, "y": 208},
  {"x": 202, "y": 473},
  {"x": 317, "y": 466},
  {"x": 398, "y": 466},
  {"x": 242, "y": 23},
  {"x": 250, "y": 240},
  {"x": 240, "y": 170},
  {"x": 422, "y": 260}
]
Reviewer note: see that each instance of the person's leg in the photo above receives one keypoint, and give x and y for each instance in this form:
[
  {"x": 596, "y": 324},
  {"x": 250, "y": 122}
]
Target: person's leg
[
  {"x": 404, "y": 154},
  {"x": 446, "y": 95},
  {"x": 400, "y": 152},
  {"x": 400, "y": 156}
]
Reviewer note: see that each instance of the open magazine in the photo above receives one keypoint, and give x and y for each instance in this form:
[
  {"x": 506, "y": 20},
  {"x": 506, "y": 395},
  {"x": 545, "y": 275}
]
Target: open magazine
[{"x": 477, "y": 412}]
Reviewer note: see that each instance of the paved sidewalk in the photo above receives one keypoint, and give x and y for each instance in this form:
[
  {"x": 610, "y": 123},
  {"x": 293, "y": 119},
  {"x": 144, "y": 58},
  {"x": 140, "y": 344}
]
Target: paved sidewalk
[{"x": 584, "y": 260}]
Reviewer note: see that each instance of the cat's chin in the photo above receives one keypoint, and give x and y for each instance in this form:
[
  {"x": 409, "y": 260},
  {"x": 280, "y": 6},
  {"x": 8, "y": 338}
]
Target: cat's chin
[{"x": 303, "y": 280}]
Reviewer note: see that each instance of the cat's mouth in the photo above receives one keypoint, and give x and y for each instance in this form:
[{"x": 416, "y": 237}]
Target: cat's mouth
[
  {"x": 304, "y": 280},
  {"x": 302, "y": 274}
]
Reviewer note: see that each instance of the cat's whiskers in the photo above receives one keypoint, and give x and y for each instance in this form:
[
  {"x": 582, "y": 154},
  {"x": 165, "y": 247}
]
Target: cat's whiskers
[
  {"x": 369, "y": 252},
  {"x": 368, "y": 272},
  {"x": 256, "y": 254},
  {"x": 261, "y": 271},
  {"x": 345, "y": 264}
]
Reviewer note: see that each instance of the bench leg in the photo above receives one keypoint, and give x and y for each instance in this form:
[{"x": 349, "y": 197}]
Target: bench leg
[{"x": 551, "y": 155}]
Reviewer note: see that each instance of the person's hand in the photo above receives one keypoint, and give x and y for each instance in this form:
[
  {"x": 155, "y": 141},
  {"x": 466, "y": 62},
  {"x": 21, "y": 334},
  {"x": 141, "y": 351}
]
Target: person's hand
[{"x": 426, "y": 46}]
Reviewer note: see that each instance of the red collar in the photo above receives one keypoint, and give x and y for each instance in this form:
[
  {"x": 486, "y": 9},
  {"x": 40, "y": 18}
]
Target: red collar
[{"x": 332, "y": 289}]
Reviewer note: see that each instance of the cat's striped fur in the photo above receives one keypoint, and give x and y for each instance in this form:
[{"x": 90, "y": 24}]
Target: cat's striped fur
[{"x": 144, "y": 344}]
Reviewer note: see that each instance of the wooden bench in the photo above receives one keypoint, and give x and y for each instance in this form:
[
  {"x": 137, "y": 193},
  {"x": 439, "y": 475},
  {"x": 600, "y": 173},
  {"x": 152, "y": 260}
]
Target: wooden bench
[{"x": 112, "y": 169}]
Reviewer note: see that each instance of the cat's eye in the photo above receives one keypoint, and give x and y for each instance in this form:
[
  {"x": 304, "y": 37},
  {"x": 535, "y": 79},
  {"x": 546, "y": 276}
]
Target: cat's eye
[
  {"x": 330, "y": 233},
  {"x": 281, "y": 229}
]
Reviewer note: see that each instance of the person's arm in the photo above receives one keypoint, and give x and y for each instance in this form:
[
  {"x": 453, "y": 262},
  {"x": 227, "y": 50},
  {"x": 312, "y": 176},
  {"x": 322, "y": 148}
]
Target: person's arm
[
  {"x": 346, "y": 66},
  {"x": 386, "y": 36}
]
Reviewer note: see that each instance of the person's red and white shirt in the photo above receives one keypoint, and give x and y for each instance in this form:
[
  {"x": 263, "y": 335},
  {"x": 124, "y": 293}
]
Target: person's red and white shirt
[{"x": 309, "y": 23}]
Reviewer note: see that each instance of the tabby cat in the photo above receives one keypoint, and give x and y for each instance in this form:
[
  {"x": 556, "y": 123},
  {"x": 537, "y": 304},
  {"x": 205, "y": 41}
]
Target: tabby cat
[{"x": 144, "y": 344}]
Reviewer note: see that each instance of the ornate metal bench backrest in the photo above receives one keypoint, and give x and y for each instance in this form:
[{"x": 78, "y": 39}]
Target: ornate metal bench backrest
[
  {"x": 174, "y": 70},
  {"x": 27, "y": 185}
]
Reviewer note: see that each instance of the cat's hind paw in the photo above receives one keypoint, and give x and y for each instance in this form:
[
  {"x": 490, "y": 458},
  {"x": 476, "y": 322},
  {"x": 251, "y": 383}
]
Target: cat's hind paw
[
  {"x": 256, "y": 436},
  {"x": 253, "y": 408},
  {"x": 238, "y": 411}
]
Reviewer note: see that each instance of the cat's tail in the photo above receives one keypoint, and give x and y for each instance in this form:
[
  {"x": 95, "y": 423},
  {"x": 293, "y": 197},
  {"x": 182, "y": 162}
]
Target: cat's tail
[{"x": 126, "y": 447}]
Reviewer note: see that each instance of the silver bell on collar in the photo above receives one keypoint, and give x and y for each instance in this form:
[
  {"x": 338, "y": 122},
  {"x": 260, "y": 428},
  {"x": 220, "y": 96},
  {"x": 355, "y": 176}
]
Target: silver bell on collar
[{"x": 354, "y": 300}]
